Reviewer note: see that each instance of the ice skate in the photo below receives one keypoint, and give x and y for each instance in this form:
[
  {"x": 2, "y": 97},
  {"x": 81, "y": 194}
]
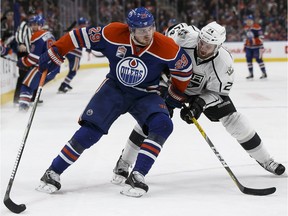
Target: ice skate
[
  {"x": 50, "y": 182},
  {"x": 250, "y": 76},
  {"x": 273, "y": 167},
  {"x": 64, "y": 87},
  {"x": 23, "y": 107},
  {"x": 135, "y": 185},
  {"x": 264, "y": 76},
  {"x": 121, "y": 172}
]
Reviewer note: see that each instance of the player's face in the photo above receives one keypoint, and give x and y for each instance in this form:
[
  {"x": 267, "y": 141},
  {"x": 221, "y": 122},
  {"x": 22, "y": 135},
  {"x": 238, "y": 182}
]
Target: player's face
[
  {"x": 205, "y": 50},
  {"x": 144, "y": 35},
  {"x": 35, "y": 27},
  {"x": 249, "y": 22}
]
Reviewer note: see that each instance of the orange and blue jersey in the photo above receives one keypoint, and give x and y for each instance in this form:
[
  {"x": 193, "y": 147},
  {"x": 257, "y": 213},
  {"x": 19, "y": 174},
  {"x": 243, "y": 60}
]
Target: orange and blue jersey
[
  {"x": 132, "y": 67},
  {"x": 41, "y": 41},
  {"x": 76, "y": 52},
  {"x": 253, "y": 34},
  {"x": 131, "y": 87}
]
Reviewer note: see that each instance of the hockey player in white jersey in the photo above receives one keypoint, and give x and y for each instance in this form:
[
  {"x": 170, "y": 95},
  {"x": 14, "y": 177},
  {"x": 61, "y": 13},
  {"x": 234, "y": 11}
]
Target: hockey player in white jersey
[{"x": 208, "y": 93}]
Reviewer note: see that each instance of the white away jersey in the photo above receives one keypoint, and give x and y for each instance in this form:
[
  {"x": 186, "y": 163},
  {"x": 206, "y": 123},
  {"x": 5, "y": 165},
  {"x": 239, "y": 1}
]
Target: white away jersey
[{"x": 211, "y": 77}]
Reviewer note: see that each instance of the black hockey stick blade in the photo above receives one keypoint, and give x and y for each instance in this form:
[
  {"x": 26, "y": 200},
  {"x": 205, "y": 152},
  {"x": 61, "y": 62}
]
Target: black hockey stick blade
[
  {"x": 258, "y": 192},
  {"x": 245, "y": 190},
  {"x": 13, "y": 207},
  {"x": 73, "y": 24}
]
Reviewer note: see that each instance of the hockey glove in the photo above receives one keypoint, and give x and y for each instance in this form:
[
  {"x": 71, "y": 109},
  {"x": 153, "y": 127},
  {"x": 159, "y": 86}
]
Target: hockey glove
[
  {"x": 194, "y": 110},
  {"x": 174, "y": 99},
  {"x": 5, "y": 51},
  {"x": 22, "y": 65},
  {"x": 50, "y": 60},
  {"x": 170, "y": 110},
  {"x": 163, "y": 89}
]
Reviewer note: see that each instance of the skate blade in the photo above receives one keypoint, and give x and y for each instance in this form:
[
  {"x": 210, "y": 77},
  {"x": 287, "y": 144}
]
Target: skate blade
[
  {"x": 118, "y": 180},
  {"x": 132, "y": 192},
  {"x": 61, "y": 92},
  {"x": 46, "y": 188}
]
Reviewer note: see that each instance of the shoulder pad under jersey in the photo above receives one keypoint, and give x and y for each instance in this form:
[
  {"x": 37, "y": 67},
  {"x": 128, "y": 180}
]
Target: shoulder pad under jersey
[
  {"x": 186, "y": 37},
  {"x": 174, "y": 28}
]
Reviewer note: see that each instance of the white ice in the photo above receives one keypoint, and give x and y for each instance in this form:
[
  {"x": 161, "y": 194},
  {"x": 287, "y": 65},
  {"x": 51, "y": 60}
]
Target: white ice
[{"x": 187, "y": 178}]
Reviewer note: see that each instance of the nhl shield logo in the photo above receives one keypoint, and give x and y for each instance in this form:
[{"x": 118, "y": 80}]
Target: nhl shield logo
[{"x": 131, "y": 71}]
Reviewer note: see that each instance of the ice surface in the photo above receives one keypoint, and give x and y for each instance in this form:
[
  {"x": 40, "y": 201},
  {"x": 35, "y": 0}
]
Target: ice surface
[{"x": 187, "y": 178}]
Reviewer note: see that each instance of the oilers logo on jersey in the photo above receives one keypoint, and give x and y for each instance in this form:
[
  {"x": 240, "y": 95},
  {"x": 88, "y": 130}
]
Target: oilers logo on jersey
[{"x": 131, "y": 71}]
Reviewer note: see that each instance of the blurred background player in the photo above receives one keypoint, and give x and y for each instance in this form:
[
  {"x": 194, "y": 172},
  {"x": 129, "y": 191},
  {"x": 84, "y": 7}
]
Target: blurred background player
[
  {"x": 74, "y": 58},
  {"x": 254, "y": 46},
  {"x": 23, "y": 37},
  {"x": 41, "y": 41}
]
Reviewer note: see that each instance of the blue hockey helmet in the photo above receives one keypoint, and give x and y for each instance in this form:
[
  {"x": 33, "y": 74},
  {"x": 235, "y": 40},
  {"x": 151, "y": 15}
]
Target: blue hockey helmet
[
  {"x": 139, "y": 18},
  {"x": 250, "y": 17},
  {"x": 82, "y": 21},
  {"x": 38, "y": 19},
  {"x": 172, "y": 22}
]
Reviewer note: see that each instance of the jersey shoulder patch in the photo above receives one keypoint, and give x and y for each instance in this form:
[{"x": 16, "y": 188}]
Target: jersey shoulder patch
[
  {"x": 187, "y": 37},
  {"x": 117, "y": 33}
]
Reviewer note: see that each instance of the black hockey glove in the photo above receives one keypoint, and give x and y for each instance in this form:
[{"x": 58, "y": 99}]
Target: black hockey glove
[
  {"x": 163, "y": 89},
  {"x": 170, "y": 110},
  {"x": 194, "y": 110}
]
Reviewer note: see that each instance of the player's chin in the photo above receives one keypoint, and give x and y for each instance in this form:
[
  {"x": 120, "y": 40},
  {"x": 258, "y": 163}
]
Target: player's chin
[
  {"x": 203, "y": 55},
  {"x": 146, "y": 41}
]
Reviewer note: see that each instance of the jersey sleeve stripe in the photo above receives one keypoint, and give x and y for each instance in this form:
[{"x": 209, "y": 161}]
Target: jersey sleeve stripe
[
  {"x": 181, "y": 76},
  {"x": 183, "y": 79},
  {"x": 74, "y": 41},
  {"x": 181, "y": 85},
  {"x": 32, "y": 61},
  {"x": 86, "y": 38},
  {"x": 79, "y": 37}
]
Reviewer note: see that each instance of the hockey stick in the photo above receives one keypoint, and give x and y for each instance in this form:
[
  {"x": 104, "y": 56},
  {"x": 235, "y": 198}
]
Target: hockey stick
[
  {"x": 245, "y": 190},
  {"x": 15, "y": 61},
  {"x": 12, "y": 60},
  {"x": 73, "y": 24},
  {"x": 7, "y": 200},
  {"x": 97, "y": 55}
]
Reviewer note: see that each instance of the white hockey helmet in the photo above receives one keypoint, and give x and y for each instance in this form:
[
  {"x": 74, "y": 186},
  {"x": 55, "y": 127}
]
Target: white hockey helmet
[{"x": 213, "y": 33}]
